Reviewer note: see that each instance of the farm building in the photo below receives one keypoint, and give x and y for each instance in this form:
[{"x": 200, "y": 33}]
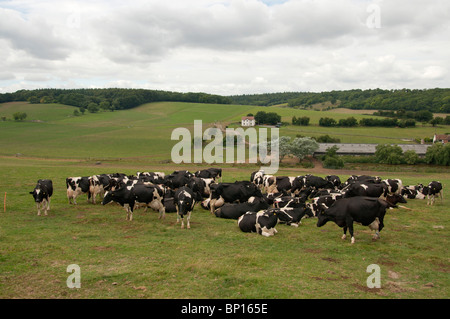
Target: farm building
[
  {"x": 367, "y": 149},
  {"x": 441, "y": 138},
  {"x": 248, "y": 121}
]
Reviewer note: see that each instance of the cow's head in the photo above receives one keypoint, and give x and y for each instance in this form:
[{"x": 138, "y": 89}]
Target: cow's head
[
  {"x": 185, "y": 202},
  {"x": 108, "y": 198},
  {"x": 39, "y": 194},
  {"x": 322, "y": 218}
]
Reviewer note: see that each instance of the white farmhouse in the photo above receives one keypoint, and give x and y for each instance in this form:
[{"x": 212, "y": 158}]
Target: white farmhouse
[{"x": 248, "y": 121}]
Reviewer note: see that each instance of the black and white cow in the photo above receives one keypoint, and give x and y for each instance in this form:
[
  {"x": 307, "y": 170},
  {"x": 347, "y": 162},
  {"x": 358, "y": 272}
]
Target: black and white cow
[
  {"x": 200, "y": 185},
  {"x": 42, "y": 194},
  {"x": 262, "y": 222},
  {"x": 292, "y": 216},
  {"x": 334, "y": 180},
  {"x": 213, "y": 173},
  {"x": 288, "y": 201},
  {"x": 239, "y": 191},
  {"x": 364, "y": 189},
  {"x": 124, "y": 196},
  {"x": 152, "y": 177},
  {"x": 97, "y": 186},
  {"x": 257, "y": 178},
  {"x": 433, "y": 189},
  {"x": 184, "y": 202},
  {"x": 368, "y": 211},
  {"x": 236, "y": 210},
  {"x": 77, "y": 186},
  {"x": 322, "y": 203},
  {"x": 413, "y": 192},
  {"x": 148, "y": 195},
  {"x": 393, "y": 186},
  {"x": 276, "y": 184}
]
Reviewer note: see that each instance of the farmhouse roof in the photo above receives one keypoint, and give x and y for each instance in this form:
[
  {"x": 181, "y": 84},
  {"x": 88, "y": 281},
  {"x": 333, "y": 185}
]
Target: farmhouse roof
[
  {"x": 248, "y": 118},
  {"x": 442, "y": 137}
]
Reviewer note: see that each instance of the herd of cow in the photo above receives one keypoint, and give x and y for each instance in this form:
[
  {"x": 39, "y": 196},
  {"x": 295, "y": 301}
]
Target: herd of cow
[{"x": 257, "y": 205}]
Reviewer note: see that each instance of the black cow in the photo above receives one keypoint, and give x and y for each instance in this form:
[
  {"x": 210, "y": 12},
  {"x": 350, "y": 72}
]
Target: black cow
[
  {"x": 368, "y": 211},
  {"x": 201, "y": 186},
  {"x": 292, "y": 216},
  {"x": 184, "y": 202},
  {"x": 209, "y": 173},
  {"x": 334, "y": 180},
  {"x": 169, "y": 201},
  {"x": 149, "y": 195},
  {"x": 42, "y": 193},
  {"x": 262, "y": 222},
  {"x": 234, "y": 211},
  {"x": 317, "y": 182},
  {"x": 124, "y": 196},
  {"x": 178, "y": 179},
  {"x": 77, "y": 186},
  {"x": 232, "y": 192},
  {"x": 364, "y": 189},
  {"x": 433, "y": 189}
]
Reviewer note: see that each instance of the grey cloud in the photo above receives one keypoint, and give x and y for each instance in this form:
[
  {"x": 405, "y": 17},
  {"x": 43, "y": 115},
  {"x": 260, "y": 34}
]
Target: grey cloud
[{"x": 34, "y": 36}]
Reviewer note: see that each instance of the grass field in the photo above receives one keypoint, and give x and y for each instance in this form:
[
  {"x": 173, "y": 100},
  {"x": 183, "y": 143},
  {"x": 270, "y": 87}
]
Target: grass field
[{"x": 152, "y": 258}]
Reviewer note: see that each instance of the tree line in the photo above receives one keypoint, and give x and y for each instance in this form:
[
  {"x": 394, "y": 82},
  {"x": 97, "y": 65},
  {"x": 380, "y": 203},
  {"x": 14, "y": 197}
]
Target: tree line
[
  {"x": 434, "y": 100},
  {"x": 109, "y": 99}
]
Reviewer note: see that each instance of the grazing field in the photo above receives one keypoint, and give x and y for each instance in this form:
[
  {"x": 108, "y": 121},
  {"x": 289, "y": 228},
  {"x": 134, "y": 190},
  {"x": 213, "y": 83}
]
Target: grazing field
[{"x": 152, "y": 258}]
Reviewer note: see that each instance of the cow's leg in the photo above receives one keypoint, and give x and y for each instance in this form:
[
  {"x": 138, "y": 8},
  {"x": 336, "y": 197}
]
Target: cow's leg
[
  {"x": 375, "y": 225},
  {"x": 48, "y": 203},
  {"x": 162, "y": 211},
  {"x": 45, "y": 206},
  {"x": 188, "y": 220},
  {"x": 39, "y": 208},
  {"x": 345, "y": 233},
  {"x": 182, "y": 221},
  {"x": 349, "y": 223}
]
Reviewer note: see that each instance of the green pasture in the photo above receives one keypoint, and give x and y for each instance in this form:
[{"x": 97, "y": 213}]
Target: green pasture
[
  {"x": 52, "y": 131},
  {"x": 152, "y": 258}
]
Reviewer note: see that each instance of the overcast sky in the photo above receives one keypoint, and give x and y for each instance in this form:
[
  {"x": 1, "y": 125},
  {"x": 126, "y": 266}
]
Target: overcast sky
[{"x": 225, "y": 47}]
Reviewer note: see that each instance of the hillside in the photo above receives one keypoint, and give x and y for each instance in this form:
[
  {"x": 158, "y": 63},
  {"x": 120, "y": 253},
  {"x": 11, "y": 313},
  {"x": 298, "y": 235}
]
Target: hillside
[
  {"x": 434, "y": 100},
  {"x": 53, "y": 131}
]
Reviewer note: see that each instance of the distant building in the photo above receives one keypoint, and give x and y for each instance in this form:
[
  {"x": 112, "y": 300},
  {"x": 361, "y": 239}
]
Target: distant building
[
  {"x": 248, "y": 121},
  {"x": 441, "y": 138},
  {"x": 367, "y": 149}
]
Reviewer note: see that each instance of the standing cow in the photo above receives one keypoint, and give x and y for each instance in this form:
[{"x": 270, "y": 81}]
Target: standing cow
[
  {"x": 42, "y": 194},
  {"x": 368, "y": 211},
  {"x": 184, "y": 201},
  {"x": 77, "y": 186},
  {"x": 433, "y": 189}
]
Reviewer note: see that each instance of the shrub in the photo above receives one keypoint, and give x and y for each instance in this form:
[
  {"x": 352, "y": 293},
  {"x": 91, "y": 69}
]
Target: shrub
[
  {"x": 389, "y": 154},
  {"x": 334, "y": 162},
  {"x": 19, "y": 116}
]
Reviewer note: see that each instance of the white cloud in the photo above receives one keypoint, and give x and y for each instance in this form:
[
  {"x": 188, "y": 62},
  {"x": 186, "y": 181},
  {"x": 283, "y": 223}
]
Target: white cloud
[{"x": 224, "y": 47}]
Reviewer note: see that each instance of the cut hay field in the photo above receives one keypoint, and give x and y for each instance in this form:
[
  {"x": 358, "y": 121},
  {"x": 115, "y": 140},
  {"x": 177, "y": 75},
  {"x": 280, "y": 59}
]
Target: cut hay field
[{"x": 152, "y": 258}]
